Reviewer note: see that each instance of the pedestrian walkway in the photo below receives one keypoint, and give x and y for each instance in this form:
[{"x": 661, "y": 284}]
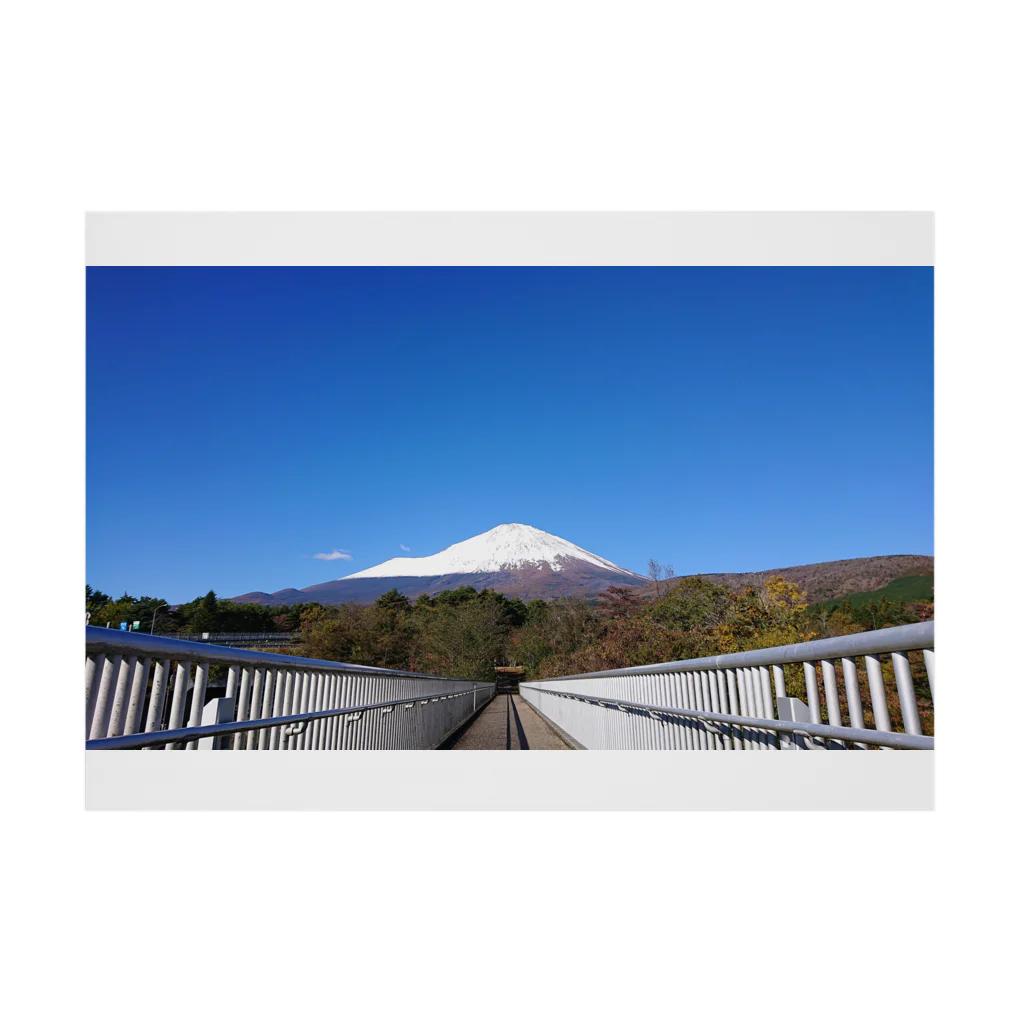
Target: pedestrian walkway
[{"x": 508, "y": 723}]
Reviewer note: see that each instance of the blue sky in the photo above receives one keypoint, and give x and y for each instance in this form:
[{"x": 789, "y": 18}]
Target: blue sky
[{"x": 242, "y": 420}]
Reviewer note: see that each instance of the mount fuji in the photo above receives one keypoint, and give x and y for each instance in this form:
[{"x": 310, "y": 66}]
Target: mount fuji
[{"x": 514, "y": 559}]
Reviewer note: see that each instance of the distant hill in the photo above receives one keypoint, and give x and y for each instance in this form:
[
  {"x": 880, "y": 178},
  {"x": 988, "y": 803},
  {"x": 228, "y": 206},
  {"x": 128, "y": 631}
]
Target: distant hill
[
  {"x": 522, "y": 562},
  {"x": 906, "y": 588},
  {"x": 823, "y": 581}
]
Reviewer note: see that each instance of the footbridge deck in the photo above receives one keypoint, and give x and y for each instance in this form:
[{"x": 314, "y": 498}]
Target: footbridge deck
[{"x": 507, "y": 723}]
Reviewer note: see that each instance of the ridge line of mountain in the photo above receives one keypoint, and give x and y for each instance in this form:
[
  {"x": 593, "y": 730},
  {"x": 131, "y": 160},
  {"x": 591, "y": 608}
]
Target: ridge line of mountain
[{"x": 819, "y": 580}]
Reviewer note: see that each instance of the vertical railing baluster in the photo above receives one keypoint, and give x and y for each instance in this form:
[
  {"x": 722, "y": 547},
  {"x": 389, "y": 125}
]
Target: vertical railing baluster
[
  {"x": 876, "y": 687},
  {"x": 137, "y": 697},
  {"x": 734, "y": 708},
  {"x": 668, "y": 737},
  {"x": 181, "y": 681},
  {"x": 316, "y": 681},
  {"x": 779, "y": 678},
  {"x": 905, "y": 691},
  {"x": 104, "y": 697},
  {"x": 339, "y": 702},
  {"x": 687, "y": 703},
  {"x": 828, "y": 676},
  {"x": 853, "y": 703},
  {"x": 158, "y": 696},
  {"x": 813, "y": 700},
  {"x": 754, "y": 703},
  {"x": 198, "y": 700},
  {"x": 675, "y": 700},
  {"x": 723, "y": 703},
  {"x": 93, "y": 675},
  {"x": 762, "y": 685},
  {"x": 242, "y": 713},
  {"x": 348, "y": 700},
  {"x": 763, "y": 739},
  {"x": 718, "y": 707},
  {"x": 698, "y": 703},
  {"x": 675, "y": 740},
  {"x": 332, "y": 685},
  {"x": 280, "y": 739},
  {"x": 267, "y": 706},
  {"x": 294, "y": 736},
  {"x": 122, "y": 694},
  {"x": 745, "y": 710},
  {"x": 321, "y": 705},
  {"x": 706, "y": 740},
  {"x": 362, "y": 723},
  {"x": 769, "y": 705},
  {"x": 301, "y": 739},
  {"x": 929, "y": 668},
  {"x": 255, "y": 705},
  {"x": 280, "y": 692},
  {"x": 318, "y": 689},
  {"x": 779, "y": 684},
  {"x": 704, "y": 697},
  {"x": 231, "y": 694}
]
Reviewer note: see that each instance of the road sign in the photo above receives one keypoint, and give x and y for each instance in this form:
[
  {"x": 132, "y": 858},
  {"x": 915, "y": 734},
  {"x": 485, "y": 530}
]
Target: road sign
[
  {"x": 124, "y": 625},
  {"x": 136, "y": 624}
]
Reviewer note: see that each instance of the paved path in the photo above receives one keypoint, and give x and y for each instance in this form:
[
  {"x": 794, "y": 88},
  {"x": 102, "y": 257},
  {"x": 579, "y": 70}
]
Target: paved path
[{"x": 509, "y": 723}]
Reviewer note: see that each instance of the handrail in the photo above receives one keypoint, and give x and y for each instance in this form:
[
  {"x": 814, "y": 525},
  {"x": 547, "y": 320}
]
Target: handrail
[
  {"x": 872, "y": 736},
  {"x": 144, "y": 691},
  {"x": 759, "y": 704},
  {"x": 138, "y": 741},
  {"x": 99, "y": 640},
  {"x": 913, "y": 637}
]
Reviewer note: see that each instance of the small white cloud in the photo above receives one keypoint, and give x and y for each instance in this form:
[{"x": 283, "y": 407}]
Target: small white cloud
[
  {"x": 331, "y": 556},
  {"x": 404, "y": 548}
]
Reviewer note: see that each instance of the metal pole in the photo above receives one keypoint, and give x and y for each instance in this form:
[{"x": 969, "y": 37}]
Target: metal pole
[
  {"x": 853, "y": 702},
  {"x": 828, "y": 675},
  {"x": 152, "y": 627},
  {"x": 905, "y": 690},
  {"x": 876, "y": 687}
]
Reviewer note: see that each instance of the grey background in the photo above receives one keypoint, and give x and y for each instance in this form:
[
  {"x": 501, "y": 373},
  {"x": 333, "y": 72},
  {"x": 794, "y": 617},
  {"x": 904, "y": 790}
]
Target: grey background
[{"x": 548, "y": 239}]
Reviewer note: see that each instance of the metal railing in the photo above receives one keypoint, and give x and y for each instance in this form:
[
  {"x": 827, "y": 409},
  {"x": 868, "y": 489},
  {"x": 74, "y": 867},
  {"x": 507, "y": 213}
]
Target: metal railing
[
  {"x": 214, "y": 637},
  {"x": 776, "y": 698},
  {"x": 238, "y": 639},
  {"x": 143, "y": 692}
]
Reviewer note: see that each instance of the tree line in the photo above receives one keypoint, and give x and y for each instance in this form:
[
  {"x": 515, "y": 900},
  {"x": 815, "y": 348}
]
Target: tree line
[
  {"x": 206, "y": 614},
  {"x": 465, "y": 633}
]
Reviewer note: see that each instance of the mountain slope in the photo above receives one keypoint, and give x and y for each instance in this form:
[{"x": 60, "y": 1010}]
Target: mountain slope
[
  {"x": 521, "y": 561},
  {"x": 515, "y": 559},
  {"x": 906, "y": 588},
  {"x": 503, "y": 549},
  {"x": 823, "y": 581}
]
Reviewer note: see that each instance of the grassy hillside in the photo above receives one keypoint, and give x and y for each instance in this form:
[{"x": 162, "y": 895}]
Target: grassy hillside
[
  {"x": 907, "y": 588},
  {"x": 821, "y": 581}
]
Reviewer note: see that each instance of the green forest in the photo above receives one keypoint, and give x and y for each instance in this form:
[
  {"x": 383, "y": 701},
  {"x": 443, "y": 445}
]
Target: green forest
[{"x": 465, "y": 633}]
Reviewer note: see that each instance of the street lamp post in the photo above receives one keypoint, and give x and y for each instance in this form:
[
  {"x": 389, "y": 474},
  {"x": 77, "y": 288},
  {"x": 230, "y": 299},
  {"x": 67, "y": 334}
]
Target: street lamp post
[{"x": 152, "y": 628}]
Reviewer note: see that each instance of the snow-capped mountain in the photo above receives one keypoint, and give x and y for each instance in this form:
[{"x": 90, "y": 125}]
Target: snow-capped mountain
[
  {"x": 517, "y": 560},
  {"x": 503, "y": 549}
]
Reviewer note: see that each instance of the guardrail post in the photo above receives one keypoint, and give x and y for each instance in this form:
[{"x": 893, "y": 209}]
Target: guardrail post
[
  {"x": 793, "y": 709},
  {"x": 217, "y": 711}
]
